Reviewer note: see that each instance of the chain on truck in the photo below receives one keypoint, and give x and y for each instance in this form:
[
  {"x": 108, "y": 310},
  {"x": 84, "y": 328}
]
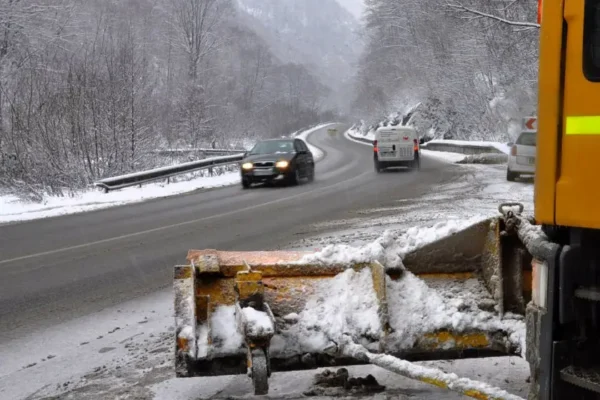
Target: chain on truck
[{"x": 241, "y": 312}]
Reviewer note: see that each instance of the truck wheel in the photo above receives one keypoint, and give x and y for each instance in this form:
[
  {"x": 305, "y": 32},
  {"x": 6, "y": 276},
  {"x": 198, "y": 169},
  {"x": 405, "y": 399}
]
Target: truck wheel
[
  {"x": 245, "y": 184},
  {"x": 511, "y": 176}
]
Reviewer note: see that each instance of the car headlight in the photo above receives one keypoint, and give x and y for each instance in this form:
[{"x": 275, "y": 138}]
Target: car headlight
[
  {"x": 282, "y": 164},
  {"x": 247, "y": 165}
]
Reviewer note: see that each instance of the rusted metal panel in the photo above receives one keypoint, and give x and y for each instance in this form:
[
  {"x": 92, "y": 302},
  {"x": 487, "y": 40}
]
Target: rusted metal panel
[
  {"x": 459, "y": 252},
  {"x": 281, "y": 281}
]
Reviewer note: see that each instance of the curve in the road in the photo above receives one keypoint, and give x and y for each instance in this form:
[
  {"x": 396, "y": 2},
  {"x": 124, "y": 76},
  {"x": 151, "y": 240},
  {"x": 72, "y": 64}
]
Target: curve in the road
[{"x": 58, "y": 268}]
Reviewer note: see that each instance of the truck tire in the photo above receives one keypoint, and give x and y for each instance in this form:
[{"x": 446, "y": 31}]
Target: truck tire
[{"x": 511, "y": 176}]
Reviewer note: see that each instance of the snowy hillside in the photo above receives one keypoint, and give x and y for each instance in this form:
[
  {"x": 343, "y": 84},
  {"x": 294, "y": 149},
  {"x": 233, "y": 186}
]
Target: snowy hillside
[{"x": 317, "y": 33}]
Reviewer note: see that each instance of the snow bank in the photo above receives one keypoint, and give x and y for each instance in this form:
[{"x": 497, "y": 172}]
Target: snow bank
[
  {"x": 317, "y": 153},
  {"x": 503, "y": 147},
  {"x": 419, "y": 309},
  {"x": 225, "y": 336},
  {"x": 345, "y": 304},
  {"x": 391, "y": 246},
  {"x": 444, "y": 155},
  {"x": 428, "y": 374},
  {"x": 352, "y": 134},
  {"x": 14, "y": 209},
  {"x": 416, "y": 308},
  {"x": 485, "y": 158}
]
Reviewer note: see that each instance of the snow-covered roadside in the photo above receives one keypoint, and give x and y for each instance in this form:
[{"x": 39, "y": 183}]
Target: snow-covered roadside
[
  {"x": 470, "y": 197},
  {"x": 14, "y": 209},
  {"x": 90, "y": 358},
  {"x": 439, "y": 155},
  {"x": 443, "y": 155},
  {"x": 317, "y": 153},
  {"x": 127, "y": 352},
  {"x": 352, "y": 134},
  {"x": 132, "y": 341},
  {"x": 503, "y": 147}
]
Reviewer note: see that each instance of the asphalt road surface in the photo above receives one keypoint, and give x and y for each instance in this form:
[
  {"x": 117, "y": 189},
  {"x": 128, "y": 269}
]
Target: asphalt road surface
[{"x": 55, "y": 269}]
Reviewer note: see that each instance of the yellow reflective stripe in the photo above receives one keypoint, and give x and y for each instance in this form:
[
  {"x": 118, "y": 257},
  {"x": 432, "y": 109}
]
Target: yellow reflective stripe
[{"x": 588, "y": 125}]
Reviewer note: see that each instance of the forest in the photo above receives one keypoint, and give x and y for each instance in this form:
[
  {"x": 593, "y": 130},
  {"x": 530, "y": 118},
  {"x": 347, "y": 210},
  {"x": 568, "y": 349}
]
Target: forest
[
  {"x": 90, "y": 88},
  {"x": 470, "y": 64}
]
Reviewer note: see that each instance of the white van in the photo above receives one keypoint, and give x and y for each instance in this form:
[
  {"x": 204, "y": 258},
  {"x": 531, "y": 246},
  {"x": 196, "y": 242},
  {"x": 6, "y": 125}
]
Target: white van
[{"x": 396, "y": 146}]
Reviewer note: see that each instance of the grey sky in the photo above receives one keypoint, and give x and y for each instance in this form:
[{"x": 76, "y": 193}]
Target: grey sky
[{"x": 356, "y": 7}]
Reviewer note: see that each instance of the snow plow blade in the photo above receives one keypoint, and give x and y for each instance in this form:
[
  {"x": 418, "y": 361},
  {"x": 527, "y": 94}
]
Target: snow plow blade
[
  {"x": 483, "y": 251},
  {"x": 259, "y": 312}
]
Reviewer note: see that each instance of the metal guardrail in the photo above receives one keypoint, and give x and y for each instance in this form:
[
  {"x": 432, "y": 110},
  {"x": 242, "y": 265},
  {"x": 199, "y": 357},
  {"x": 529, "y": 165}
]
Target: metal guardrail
[
  {"x": 193, "y": 151},
  {"x": 136, "y": 178},
  {"x": 461, "y": 148},
  {"x": 449, "y": 147},
  {"x": 361, "y": 139}
]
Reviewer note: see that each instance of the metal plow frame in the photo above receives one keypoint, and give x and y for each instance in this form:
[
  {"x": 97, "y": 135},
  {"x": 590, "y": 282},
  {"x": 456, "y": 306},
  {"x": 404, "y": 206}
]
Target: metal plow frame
[{"x": 277, "y": 283}]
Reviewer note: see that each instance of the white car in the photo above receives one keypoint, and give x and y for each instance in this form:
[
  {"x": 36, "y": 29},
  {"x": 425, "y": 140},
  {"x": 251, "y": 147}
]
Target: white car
[
  {"x": 521, "y": 160},
  {"x": 396, "y": 146}
]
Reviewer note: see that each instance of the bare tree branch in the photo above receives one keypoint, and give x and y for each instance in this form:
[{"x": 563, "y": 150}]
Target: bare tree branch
[{"x": 494, "y": 17}]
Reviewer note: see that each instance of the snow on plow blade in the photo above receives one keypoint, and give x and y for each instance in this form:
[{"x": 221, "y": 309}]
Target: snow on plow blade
[{"x": 258, "y": 312}]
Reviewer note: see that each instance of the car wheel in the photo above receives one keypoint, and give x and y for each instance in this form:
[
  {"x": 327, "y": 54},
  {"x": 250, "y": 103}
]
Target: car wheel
[
  {"x": 295, "y": 177},
  {"x": 378, "y": 168},
  {"x": 511, "y": 176},
  {"x": 245, "y": 184},
  {"x": 311, "y": 174},
  {"x": 416, "y": 164}
]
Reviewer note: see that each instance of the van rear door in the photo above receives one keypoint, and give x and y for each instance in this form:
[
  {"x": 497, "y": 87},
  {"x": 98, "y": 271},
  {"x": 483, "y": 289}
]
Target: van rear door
[
  {"x": 388, "y": 144},
  {"x": 396, "y": 144},
  {"x": 406, "y": 150}
]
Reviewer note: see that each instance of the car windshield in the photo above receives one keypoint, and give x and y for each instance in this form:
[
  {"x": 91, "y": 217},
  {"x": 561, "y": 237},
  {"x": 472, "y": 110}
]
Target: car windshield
[
  {"x": 273, "y": 147},
  {"x": 527, "y": 139}
]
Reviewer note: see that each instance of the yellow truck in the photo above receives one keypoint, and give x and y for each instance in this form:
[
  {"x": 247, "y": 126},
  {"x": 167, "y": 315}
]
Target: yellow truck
[{"x": 258, "y": 312}]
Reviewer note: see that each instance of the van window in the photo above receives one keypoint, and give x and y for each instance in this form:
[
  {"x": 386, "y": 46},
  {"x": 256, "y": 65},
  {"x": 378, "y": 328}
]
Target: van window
[
  {"x": 527, "y": 139},
  {"x": 591, "y": 40}
]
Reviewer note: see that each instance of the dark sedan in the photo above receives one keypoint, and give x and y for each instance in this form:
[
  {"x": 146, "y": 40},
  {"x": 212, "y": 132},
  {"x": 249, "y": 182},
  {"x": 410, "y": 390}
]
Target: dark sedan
[{"x": 278, "y": 160}]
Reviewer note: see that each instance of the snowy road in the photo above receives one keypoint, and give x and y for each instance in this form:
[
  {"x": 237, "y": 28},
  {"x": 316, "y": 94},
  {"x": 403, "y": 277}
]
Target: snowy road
[
  {"x": 94, "y": 319},
  {"x": 55, "y": 269}
]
